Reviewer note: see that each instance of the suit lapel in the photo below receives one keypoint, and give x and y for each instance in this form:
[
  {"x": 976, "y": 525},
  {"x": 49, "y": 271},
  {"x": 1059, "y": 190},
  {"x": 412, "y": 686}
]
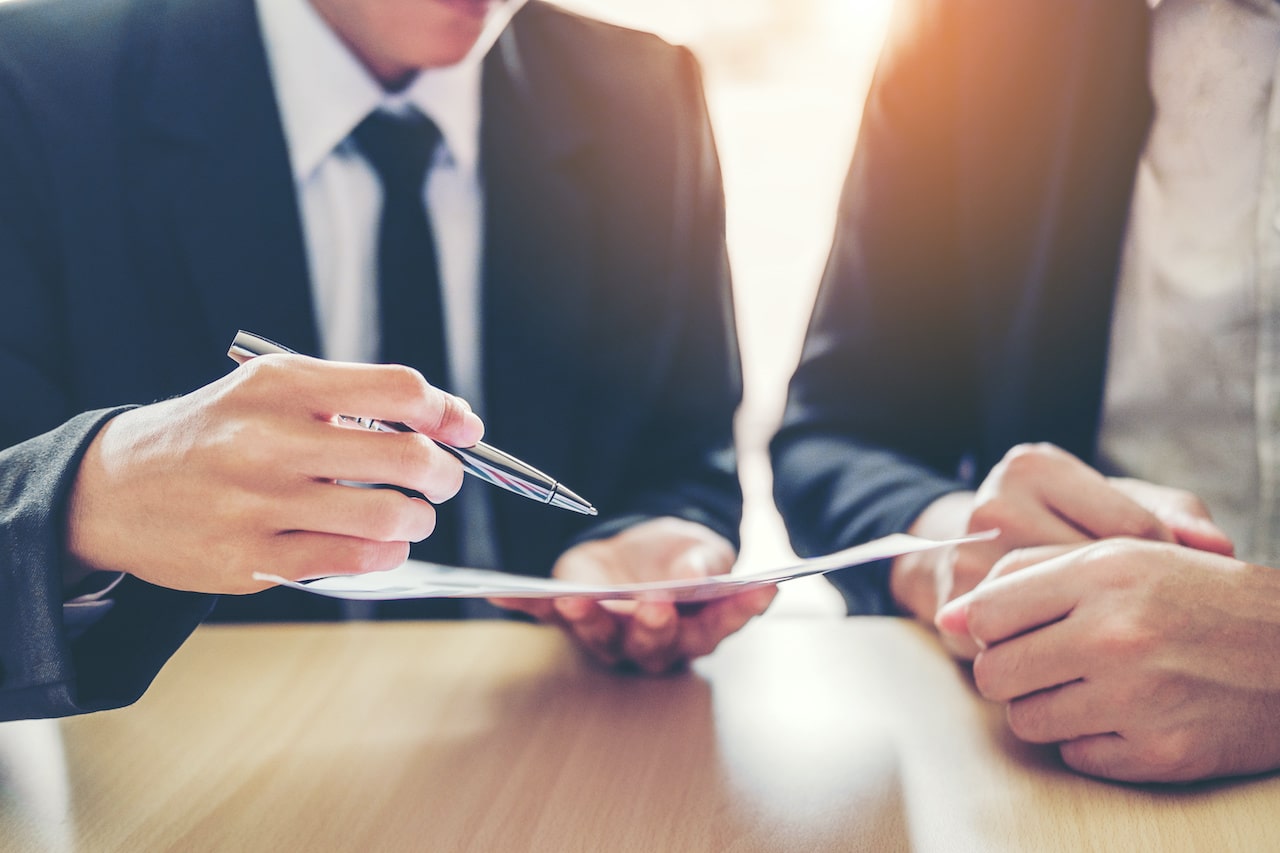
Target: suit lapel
[
  {"x": 214, "y": 190},
  {"x": 538, "y": 231}
]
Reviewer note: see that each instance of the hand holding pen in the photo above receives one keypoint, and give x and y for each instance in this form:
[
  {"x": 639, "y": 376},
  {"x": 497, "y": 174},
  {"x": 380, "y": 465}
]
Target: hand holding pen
[
  {"x": 200, "y": 491},
  {"x": 479, "y": 459}
]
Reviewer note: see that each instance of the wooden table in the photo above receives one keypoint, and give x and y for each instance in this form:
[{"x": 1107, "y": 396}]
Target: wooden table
[{"x": 796, "y": 735}]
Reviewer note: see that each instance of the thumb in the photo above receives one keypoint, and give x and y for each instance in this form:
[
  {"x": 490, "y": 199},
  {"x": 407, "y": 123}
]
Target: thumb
[{"x": 700, "y": 561}]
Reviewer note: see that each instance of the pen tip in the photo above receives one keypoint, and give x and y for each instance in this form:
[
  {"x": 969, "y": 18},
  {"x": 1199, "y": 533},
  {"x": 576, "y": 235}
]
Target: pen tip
[{"x": 566, "y": 499}]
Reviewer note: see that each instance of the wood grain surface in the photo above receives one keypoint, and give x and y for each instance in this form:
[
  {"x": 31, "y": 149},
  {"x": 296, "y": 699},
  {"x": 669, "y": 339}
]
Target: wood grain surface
[{"x": 820, "y": 734}]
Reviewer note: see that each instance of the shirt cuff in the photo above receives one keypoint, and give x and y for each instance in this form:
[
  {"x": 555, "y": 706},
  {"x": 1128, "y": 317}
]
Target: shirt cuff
[{"x": 92, "y": 602}]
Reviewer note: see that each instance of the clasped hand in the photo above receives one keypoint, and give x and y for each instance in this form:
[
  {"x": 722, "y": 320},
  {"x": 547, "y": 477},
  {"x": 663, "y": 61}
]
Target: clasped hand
[
  {"x": 1040, "y": 495},
  {"x": 1112, "y": 620},
  {"x": 1144, "y": 661}
]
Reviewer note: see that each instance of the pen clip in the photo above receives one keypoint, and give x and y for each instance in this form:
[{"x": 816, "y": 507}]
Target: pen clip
[{"x": 247, "y": 345}]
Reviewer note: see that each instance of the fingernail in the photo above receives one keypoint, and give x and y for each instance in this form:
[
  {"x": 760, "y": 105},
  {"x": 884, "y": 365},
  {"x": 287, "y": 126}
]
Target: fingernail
[
  {"x": 472, "y": 421},
  {"x": 952, "y": 619},
  {"x": 765, "y": 597}
]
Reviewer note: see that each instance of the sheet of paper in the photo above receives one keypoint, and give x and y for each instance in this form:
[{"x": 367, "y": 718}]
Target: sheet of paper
[{"x": 426, "y": 580}]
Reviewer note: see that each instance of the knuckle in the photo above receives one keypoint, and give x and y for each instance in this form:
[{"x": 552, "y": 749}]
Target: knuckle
[
  {"x": 452, "y": 411},
  {"x": 1083, "y": 757},
  {"x": 1140, "y": 525},
  {"x": 409, "y": 386},
  {"x": 405, "y": 381},
  {"x": 382, "y": 516},
  {"x": 379, "y": 556},
  {"x": 257, "y": 370},
  {"x": 1026, "y": 720},
  {"x": 413, "y": 458},
  {"x": 266, "y": 374},
  {"x": 1191, "y": 503},
  {"x": 1029, "y": 457},
  {"x": 1125, "y": 639},
  {"x": 431, "y": 470},
  {"x": 987, "y": 675},
  {"x": 1108, "y": 561},
  {"x": 1168, "y": 755},
  {"x": 993, "y": 510},
  {"x": 430, "y": 401}
]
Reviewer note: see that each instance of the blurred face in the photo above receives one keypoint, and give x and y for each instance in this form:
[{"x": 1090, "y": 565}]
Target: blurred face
[{"x": 396, "y": 38}]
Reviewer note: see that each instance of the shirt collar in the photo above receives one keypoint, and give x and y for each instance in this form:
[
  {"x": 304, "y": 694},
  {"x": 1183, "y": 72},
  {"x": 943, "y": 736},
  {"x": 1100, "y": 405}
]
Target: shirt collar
[{"x": 323, "y": 91}]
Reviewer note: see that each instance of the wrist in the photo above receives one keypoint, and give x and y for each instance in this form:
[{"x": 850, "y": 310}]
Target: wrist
[
  {"x": 911, "y": 584},
  {"x": 84, "y": 549},
  {"x": 913, "y": 578}
]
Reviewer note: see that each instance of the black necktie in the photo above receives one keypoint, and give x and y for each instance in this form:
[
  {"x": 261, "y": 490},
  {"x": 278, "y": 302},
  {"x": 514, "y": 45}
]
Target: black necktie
[{"x": 400, "y": 149}]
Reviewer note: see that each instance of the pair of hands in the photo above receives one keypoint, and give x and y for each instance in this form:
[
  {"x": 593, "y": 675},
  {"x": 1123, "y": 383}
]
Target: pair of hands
[
  {"x": 653, "y": 636},
  {"x": 1150, "y": 656},
  {"x": 1040, "y": 495},
  {"x": 198, "y": 492}
]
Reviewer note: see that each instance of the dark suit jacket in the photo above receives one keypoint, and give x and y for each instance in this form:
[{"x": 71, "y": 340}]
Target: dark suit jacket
[
  {"x": 967, "y": 301},
  {"x": 148, "y": 211}
]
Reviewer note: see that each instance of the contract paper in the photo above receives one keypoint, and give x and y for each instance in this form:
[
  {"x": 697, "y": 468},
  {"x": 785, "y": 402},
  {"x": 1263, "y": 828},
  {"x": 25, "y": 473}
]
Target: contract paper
[{"x": 416, "y": 579}]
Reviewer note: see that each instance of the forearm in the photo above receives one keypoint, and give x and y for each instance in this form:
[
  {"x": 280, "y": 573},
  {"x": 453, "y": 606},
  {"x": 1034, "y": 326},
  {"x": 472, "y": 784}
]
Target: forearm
[{"x": 43, "y": 672}]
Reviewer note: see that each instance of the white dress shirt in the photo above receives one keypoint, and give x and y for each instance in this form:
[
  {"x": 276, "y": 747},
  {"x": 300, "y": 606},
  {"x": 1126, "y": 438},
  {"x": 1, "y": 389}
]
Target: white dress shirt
[
  {"x": 324, "y": 92},
  {"x": 1193, "y": 386}
]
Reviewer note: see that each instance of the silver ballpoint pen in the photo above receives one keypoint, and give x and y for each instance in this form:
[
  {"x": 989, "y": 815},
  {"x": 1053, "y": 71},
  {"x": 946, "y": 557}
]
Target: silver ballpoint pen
[{"x": 481, "y": 460}]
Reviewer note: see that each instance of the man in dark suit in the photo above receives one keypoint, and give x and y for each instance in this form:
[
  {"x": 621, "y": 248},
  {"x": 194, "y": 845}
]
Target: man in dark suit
[
  {"x": 154, "y": 202},
  {"x": 1045, "y": 271}
]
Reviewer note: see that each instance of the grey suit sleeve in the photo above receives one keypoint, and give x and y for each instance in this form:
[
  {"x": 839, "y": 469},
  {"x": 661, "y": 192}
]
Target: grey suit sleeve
[{"x": 43, "y": 671}]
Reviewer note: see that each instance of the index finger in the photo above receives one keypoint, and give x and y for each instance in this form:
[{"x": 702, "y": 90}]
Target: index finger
[
  {"x": 1022, "y": 558},
  {"x": 1087, "y": 500},
  {"x": 1014, "y": 604},
  {"x": 387, "y": 392}
]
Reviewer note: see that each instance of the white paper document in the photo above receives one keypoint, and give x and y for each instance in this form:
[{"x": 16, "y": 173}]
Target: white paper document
[{"x": 416, "y": 579}]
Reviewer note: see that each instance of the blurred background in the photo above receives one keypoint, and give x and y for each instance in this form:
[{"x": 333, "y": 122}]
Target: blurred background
[{"x": 785, "y": 82}]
